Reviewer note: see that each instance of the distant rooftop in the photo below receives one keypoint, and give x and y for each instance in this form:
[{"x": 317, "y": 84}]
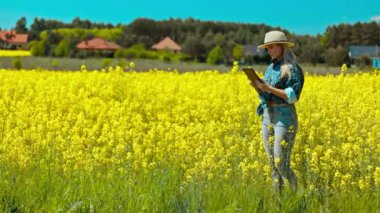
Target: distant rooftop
[
  {"x": 168, "y": 44},
  {"x": 97, "y": 44},
  {"x": 13, "y": 38},
  {"x": 356, "y": 51}
]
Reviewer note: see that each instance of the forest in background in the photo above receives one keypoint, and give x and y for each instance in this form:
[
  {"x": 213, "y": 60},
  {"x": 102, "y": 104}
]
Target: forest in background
[{"x": 201, "y": 41}]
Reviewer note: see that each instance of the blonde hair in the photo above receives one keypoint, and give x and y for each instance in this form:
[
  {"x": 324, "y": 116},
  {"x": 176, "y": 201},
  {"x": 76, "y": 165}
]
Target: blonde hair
[{"x": 290, "y": 61}]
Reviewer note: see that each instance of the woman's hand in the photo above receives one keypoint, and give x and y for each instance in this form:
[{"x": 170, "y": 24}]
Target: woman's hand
[{"x": 263, "y": 86}]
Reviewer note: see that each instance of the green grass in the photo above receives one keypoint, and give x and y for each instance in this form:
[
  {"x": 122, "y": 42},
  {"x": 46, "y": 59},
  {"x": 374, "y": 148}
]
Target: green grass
[
  {"x": 44, "y": 189},
  {"x": 51, "y": 63}
]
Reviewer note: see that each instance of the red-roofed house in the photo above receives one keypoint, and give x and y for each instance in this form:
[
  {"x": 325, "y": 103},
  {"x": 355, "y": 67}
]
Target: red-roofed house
[
  {"x": 97, "y": 44},
  {"x": 167, "y": 44},
  {"x": 12, "y": 40}
]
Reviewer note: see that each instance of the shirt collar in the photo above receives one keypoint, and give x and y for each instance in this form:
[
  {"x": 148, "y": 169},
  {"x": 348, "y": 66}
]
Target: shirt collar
[{"x": 277, "y": 62}]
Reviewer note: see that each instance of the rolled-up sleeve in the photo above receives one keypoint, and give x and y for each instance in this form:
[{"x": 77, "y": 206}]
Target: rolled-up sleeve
[
  {"x": 292, "y": 97},
  {"x": 294, "y": 85}
]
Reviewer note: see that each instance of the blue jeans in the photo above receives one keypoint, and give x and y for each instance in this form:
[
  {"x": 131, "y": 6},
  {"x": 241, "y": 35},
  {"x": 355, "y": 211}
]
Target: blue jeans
[{"x": 280, "y": 122}]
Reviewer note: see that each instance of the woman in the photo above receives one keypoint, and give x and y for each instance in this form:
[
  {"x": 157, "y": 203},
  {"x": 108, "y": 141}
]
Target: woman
[{"x": 281, "y": 88}]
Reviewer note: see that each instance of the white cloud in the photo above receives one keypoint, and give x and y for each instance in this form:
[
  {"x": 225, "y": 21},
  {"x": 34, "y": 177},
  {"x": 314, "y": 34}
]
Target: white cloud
[{"x": 375, "y": 18}]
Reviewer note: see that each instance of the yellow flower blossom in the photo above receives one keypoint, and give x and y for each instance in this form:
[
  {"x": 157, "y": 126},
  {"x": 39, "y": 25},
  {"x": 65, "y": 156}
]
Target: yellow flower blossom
[{"x": 202, "y": 123}]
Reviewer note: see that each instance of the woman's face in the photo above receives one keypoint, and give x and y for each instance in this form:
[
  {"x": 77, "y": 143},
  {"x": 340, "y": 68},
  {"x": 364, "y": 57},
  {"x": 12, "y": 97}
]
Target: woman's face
[{"x": 275, "y": 51}]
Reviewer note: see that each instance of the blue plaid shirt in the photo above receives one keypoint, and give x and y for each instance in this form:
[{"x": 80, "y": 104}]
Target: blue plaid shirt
[{"x": 292, "y": 85}]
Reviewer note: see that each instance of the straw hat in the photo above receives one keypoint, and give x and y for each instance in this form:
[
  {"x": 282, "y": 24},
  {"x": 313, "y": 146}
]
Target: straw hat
[{"x": 275, "y": 37}]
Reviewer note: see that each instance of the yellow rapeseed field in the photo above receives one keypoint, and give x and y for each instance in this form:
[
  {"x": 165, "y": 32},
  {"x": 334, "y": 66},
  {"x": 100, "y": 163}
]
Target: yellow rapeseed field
[
  {"x": 14, "y": 53},
  {"x": 202, "y": 123}
]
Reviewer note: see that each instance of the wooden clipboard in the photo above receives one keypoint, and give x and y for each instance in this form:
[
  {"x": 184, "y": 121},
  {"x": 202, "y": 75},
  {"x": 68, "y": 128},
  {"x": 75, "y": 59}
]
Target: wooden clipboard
[{"x": 251, "y": 74}]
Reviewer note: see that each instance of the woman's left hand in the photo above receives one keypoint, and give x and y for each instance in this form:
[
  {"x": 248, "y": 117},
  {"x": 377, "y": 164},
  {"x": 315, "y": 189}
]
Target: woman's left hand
[{"x": 263, "y": 86}]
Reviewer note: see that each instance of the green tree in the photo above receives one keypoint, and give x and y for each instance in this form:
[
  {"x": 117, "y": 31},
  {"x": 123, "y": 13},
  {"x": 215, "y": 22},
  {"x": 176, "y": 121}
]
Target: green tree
[
  {"x": 237, "y": 52},
  {"x": 311, "y": 53},
  {"x": 219, "y": 39},
  {"x": 208, "y": 41},
  {"x": 62, "y": 50},
  {"x": 21, "y": 26},
  {"x": 194, "y": 48},
  {"x": 228, "y": 47},
  {"x": 77, "y": 23},
  {"x": 324, "y": 40},
  {"x": 37, "y": 48},
  {"x": 36, "y": 28},
  {"x": 336, "y": 57},
  {"x": 215, "y": 55},
  {"x": 120, "y": 53}
]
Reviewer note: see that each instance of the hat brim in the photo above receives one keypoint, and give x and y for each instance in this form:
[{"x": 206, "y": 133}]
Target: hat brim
[{"x": 289, "y": 44}]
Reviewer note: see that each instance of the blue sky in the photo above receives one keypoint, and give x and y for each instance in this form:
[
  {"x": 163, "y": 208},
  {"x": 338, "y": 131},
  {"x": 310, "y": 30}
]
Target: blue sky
[{"x": 297, "y": 16}]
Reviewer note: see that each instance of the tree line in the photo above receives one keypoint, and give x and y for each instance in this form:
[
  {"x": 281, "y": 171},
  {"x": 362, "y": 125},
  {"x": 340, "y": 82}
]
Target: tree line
[{"x": 202, "y": 41}]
